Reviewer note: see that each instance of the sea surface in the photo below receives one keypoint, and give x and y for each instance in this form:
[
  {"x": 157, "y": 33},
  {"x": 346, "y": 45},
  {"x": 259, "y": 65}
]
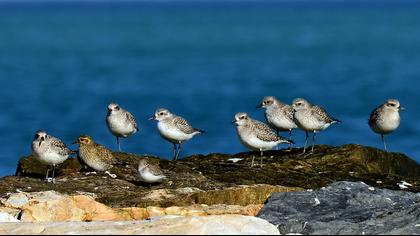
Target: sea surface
[{"x": 62, "y": 64}]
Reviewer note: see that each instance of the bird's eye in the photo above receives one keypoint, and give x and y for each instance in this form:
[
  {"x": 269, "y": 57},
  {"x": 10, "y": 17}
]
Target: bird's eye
[{"x": 161, "y": 114}]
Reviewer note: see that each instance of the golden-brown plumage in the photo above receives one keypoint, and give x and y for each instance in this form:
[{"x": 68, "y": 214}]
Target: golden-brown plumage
[{"x": 95, "y": 155}]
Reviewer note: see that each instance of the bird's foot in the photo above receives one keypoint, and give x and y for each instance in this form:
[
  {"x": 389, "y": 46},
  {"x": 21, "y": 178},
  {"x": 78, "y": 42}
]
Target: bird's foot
[{"x": 111, "y": 175}]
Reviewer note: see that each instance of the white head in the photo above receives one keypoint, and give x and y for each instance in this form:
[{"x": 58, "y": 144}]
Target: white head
[
  {"x": 113, "y": 108},
  {"x": 162, "y": 114},
  {"x": 241, "y": 118},
  {"x": 268, "y": 101},
  {"x": 40, "y": 136},
  {"x": 142, "y": 165},
  {"x": 300, "y": 104},
  {"x": 394, "y": 105}
]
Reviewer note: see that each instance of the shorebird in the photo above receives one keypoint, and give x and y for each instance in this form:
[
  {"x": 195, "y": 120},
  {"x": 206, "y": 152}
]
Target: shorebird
[
  {"x": 278, "y": 115},
  {"x": 49, "y": 150},
  {"x": 120, "y": 122},
  {"x": 256, "y": 135},
  {"x": 94, "y": 155},
  {"x": 149, "y": 172},
  {"x": 386, "y": 118},
  {"x": 174, "y": 129},
  {"x": 311, "y": 118}
]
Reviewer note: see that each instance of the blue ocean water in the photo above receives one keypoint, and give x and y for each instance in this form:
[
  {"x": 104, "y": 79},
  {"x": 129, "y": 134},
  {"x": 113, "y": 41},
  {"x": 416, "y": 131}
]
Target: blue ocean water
[{"x": 61, "y": 64}]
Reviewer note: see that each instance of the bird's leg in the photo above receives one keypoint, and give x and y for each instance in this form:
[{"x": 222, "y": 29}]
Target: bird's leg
[
  {"x": 48, "y": 171},
  {"x": 383, "y": 141},
  {"x": 118, "y": 142},
  {"x": 175, "y": 151},
  {"x": 290, "y": 138},
  {"x": 306, "y": 142},
  {"x": 261, "y": 158},
  {"x": 252, "y": 163},
  {"x": 53, "y": 174},
  {"x": 313, "y": 141},
  {"x": 179, "y": 150}
]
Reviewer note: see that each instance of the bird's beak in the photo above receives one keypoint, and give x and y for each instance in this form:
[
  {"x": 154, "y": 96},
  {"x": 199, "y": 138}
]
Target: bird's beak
[
  {"x": 41, "y": 140},
  {"x": 259, "y": 106},
  {"x": 152, "y": 118},
  {"x": 401, "y": 108},
  {"x": 233, "y": 121}
]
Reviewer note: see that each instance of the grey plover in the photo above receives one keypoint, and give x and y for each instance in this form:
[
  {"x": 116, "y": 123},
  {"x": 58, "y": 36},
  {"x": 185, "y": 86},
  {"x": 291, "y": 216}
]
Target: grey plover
[
  {"x": 150, "y": 172},
  {"x": 278, "y": 114},
  {"x": 256, "y": 135},
  {"x": 174, "y": 129},
  {"x": 94, "y": 155},
  {"x": 311, "y": 118},
  {"x": 120, "y": 122},
  {"x": 49, "y": 150},
  {"x": 386, "y": 118}
]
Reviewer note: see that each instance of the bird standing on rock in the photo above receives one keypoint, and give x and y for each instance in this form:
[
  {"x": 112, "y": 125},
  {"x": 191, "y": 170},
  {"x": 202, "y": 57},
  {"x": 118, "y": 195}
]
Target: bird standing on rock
[
  {"x": 94, "y": 155},
  {"x": 49, "y": 150},
  {"x": 256, "y": 135},
  {"x": 120, "y": 122},
  {"x": 386, "y": 118},
  {"x": 278, "y": 114},
  {"x": 174, "y": 128},
  {"x": 311, "y": 118}
]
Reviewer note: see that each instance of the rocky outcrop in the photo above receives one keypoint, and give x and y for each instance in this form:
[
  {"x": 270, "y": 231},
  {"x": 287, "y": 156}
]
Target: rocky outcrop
[
  {"x": 51, "y": 206},
  {"x": 197, "y": 185},
  {"x": 345, "y": 208},
  {"x": 204, "y": 225}
]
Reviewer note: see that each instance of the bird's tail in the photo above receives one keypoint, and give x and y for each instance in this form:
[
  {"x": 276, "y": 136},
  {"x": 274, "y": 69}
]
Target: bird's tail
[
  {"x": 289, "y": 141},
  {"x": 335, "y": 120},
  {"x": 201, "y": 131}
]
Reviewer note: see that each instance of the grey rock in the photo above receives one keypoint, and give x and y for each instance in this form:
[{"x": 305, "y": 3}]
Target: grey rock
[{"x": 344, "y": 208}]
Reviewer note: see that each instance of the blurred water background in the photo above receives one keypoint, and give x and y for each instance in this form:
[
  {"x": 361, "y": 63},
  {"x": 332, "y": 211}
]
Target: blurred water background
[{"x": 61, "y": 64}]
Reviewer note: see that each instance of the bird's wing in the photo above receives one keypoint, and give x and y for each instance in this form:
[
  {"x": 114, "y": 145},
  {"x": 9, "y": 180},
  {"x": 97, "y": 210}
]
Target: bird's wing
[
  {"x": 265, "y": 133},
  {"x": 322, "y": 115},
  {"x": 130, "y": 118},
  {"x": 105, "y": 154},
  {"x": 289, "y": 112},
  {"x": 60, "y": 147},
  {"x": 183, "y": 125},
  {"x": 375, "y": 115},
  {"x": 155, "y": 169}
]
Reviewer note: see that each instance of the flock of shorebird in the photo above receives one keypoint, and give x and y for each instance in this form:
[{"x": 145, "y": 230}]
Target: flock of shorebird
[{"x": 255, "y": 135}]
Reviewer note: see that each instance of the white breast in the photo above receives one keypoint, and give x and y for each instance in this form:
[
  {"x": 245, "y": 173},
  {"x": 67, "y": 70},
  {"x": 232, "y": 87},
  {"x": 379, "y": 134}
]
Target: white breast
[
  {"x": 249, "y": 140},
  {"x": 148, "y": 177},
  {"x": 172, "y": 134},
  {"x": 48, "y": 156},
  {"x": 281, "y": 123},
  {"x": 387, "y": 123},
  {"x": 120, "y": 127},
  {"x": 308, "y": 122}
]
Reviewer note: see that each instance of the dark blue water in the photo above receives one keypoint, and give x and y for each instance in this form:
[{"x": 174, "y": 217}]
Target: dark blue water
[{"x": 60, "y": 66}]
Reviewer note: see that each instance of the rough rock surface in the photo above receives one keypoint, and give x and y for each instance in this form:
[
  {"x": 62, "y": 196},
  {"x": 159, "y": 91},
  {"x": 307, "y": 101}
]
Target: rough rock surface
[
  {"x": 214, "y": 179},
  {"x": 203, "y": 225},
  {"x": 51, "y": 206},
  {"x": 345, "y": 208}
]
